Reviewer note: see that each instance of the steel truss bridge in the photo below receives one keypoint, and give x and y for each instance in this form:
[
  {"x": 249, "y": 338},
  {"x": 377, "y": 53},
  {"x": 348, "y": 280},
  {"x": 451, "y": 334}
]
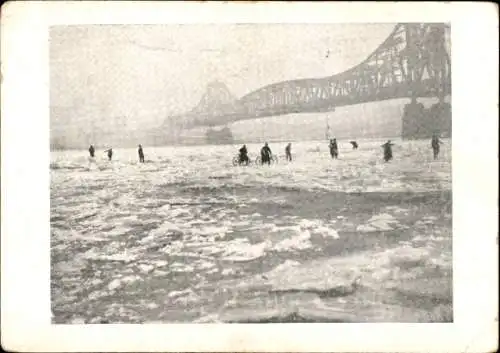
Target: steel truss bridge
[{"x": 414, "y": 61}]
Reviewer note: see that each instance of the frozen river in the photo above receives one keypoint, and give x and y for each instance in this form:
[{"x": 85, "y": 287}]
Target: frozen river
[{"x": 188, "y": 237}]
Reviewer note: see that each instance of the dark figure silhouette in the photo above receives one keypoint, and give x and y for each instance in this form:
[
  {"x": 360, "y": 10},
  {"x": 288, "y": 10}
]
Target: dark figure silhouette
[
  {"x": 265, "y": 154},
  {"x": 288, "y": 152},
  {"x": 110, "y": 153},
  {"x": 244, "y": 155},
  {"x": 141, "y": 154},
  {"x": 435, "y": 142},
  {"x": 334, "y": 149},
  {"x": 387, "y": 150},
  {"x": 91, "y": 151},
  {"x": 354, "y": 145}
]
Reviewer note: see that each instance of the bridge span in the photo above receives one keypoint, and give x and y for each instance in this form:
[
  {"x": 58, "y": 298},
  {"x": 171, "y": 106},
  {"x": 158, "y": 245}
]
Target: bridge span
[{"x": 414, "y": 61}]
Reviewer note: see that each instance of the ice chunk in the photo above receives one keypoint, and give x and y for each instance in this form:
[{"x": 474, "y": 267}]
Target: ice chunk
[
  {"x": 299, "y": 242},
  {"x": 146, "y": 268},
  {"x": 366, "y": 228},
  {"x": 114, "y": 284},
  {"x": 242, "y": 251}
]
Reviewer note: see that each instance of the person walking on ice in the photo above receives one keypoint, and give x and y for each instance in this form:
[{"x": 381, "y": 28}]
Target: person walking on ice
[
  {"x": 288, "y": 152},
  {"x": 110, "y": 153},
  {"x": 387, "y": 150},
  {"x": 266, "y": 154},
  {"x": 334, "y": 149},
  {"x": 141, "y": 154},
  {"x": 435, "y": 142}
]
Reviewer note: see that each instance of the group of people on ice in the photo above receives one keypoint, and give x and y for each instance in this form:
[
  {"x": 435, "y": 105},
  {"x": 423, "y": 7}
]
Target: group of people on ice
[
  {"x": 266, "y": 154},
  {"x": 334, "y": 149},
  {"x": 109, "y": 151}
]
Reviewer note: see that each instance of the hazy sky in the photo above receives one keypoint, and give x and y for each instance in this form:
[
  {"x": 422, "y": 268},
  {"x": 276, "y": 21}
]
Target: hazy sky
[{"x": 147, "y": 72}]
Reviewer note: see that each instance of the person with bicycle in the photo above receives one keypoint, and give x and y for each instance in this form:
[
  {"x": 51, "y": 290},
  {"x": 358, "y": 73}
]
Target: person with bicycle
[
  {"x": 266, "y": 154},
  {"x": 244, "y": 155}
]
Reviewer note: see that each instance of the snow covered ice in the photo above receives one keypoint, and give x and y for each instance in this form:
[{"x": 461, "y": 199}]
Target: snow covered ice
[{"x": 187, "y": 237}]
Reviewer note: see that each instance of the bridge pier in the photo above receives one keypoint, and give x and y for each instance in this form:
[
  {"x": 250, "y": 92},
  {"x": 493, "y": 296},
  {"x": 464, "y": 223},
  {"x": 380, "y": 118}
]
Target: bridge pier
[
  {"x": 421, "y": 123},
  {"x": 413, "y": 126},
  {"x": 440, "y": 115}
]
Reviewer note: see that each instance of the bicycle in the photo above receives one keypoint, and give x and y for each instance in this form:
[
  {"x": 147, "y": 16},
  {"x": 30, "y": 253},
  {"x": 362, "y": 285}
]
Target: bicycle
[
  {"x": 238, "y": 161},
  {"x": 274, "y": 159}
]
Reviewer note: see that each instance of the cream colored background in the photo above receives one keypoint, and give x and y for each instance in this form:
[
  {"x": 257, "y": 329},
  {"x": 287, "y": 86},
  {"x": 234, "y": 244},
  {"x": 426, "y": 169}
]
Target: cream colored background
[{"x": 25, "y": 243}]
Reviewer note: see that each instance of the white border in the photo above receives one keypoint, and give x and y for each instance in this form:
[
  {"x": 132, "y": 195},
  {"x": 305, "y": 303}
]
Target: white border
[{"x": 25, "y": 184}]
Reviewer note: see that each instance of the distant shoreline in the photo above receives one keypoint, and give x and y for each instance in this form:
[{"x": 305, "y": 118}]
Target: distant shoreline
[{"x": 240, "y": 143}]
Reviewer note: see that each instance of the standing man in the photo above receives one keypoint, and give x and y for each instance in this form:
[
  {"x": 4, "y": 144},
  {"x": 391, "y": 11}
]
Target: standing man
[
  {"x": 334, "y": 149},
  {"x": 265, "y": 154},
  {"x": 110, "y": 153},
  {"x": 91, "y": 151},
  {"x": 288, "y": 152},
  {"x": 141, "y": 154},
  {"x": 435, "y": 142},
  {"x": 387, "y": 150}
]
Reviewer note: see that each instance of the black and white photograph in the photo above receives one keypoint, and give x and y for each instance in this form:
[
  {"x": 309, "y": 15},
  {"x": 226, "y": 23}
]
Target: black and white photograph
[
  {"x": 251, "y": 173},
  {"x": 176, "y": 174}
]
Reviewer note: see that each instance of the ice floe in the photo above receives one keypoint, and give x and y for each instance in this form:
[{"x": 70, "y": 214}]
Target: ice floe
[
  {"x": 299, "y": 242},
  {"x": 145, "y": 268},
  {"x": 125, "y": 256},
  {"x": 381, "y": 222},
  {"x": 119, "y": 282},
  {"x": 185, "y": 296},
  {"x": 326, "y": 232},
  {"x": 242, "y": 250}
]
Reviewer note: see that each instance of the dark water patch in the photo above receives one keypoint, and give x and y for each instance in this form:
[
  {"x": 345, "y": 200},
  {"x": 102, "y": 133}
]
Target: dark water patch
[
  {"x": 421, "y": 300},
  {"x": 294, "y": 317},
  {"x": 353, "y": 242},
  {"x": 68, "y": 201},
  {"x": 322, "y": 293},
  {"x": 95, "y": 187},
  {"x": 74, "y": 247},
  {"x": 57, "y": 256},
  {"x": 221, "y": 177},
  {"x": 158, "y": 246},
  {"x": 134, "y": 232},
  {"x": 56, "y": 166},
  {"x": 326, "y": 205},
  {"x": 154, "y": 205},
  {"x": 430, "y": 199},
  {"x": 84, "y": 217},
  {"x": 197, "y": 190},
  {"x": 57, "y": 218},
  {"x": 289, "y": 189},
  {"x": 408, "y": 264},
  {"x": 174, "y": 185},
  {"x": 73, "y": 194}
]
